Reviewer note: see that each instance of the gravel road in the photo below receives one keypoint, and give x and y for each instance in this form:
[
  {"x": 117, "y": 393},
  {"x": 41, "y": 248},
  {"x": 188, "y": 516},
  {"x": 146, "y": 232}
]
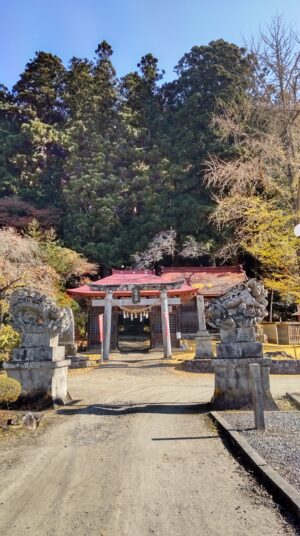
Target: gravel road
[
  {"x": 279, "y": 444},
  {"x": 136, "y": 455}
]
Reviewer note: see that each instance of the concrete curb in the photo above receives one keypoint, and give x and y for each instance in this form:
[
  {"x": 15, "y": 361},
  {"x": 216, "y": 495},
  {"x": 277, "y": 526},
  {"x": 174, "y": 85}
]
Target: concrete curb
[
  {"x": 295, "y": 398},
  {"x": 269, "y": 476}
]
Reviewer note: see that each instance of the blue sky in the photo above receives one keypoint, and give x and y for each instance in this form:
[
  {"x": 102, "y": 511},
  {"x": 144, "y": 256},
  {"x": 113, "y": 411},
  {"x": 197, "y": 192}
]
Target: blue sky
[{"x": 167, "y": 28}]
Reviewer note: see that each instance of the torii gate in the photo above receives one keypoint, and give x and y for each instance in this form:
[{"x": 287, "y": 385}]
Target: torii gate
[{"x": 164, "y": 301}]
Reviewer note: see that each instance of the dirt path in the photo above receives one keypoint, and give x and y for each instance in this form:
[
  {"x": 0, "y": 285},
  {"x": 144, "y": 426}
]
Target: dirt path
[{"x": 133, "y": 458}]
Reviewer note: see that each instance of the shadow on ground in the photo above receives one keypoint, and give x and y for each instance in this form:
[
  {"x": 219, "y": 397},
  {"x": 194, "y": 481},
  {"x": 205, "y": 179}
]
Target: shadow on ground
[
  {"x": 123, "y": 409},
  {"x": 123, "y": 364}
]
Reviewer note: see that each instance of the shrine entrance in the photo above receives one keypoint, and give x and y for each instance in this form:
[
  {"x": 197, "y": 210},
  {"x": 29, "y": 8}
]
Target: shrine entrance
[
  {"x": 133, "y": 332},
  {"x": 134, "y": 311},
  {"x": 159, "y": 325}
]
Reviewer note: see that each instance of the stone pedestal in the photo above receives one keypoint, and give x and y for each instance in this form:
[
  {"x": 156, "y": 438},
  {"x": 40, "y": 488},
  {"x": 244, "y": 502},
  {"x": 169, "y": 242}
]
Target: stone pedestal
[
  {"x": 237, "y": 350},
  {"x": 71, "y": 350},
  {"x": 237, "y": 314},
  {"x": 202, "y": 339},
  {"x": 25, "y": 354},
  {"x": 42, "y": 372},
  {"x": 45, "y": 380},
  {"x": 232, "y": 384},
  {"x": 203, "y": 346},
  {"x": 67, "y": 337},
  {"x": 39, "y": 364}
]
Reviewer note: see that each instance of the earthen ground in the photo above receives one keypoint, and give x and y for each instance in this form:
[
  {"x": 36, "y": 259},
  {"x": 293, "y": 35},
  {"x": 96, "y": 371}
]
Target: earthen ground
[{"x": 135, "y": 455}]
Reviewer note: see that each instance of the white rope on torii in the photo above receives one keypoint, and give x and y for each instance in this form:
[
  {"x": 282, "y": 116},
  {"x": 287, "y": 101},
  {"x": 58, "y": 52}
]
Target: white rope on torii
[
  {"x": 130, "y": 311},
  {"x": 135, "y": 311}
]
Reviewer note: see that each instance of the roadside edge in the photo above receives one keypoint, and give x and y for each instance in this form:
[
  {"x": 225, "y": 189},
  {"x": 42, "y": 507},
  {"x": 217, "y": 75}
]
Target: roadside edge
[
  {"x": 266, "y": 473},
  {"x": 294, "y": 398}
]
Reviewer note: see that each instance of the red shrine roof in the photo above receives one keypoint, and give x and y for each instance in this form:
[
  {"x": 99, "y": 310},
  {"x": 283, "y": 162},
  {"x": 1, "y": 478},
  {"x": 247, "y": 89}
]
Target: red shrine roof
[
  {"x": 209, "y": 281},
  {"x": 120, "y": 279},
  {"x": 126, "y": 277}
]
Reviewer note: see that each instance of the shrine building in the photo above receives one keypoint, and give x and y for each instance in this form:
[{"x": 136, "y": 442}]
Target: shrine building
[{"x": 161, "y": 309}]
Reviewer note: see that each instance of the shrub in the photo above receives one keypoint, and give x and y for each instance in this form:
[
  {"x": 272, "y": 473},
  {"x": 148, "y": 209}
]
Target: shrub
[
  {"x": 10, "y": 389},
  {"x": 9, "y": 339}
]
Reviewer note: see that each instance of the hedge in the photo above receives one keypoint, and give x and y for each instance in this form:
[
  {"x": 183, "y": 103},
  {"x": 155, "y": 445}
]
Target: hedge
[{"x": 10, "y": 389}]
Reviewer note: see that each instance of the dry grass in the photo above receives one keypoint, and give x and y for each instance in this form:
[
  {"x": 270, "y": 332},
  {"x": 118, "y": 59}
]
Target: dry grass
[
  {"x": 79, "y": 371},
  {"x": 190, "y": 347},
  {"x": 189, "y": 351},
  {"x": 292, "y": 350}
]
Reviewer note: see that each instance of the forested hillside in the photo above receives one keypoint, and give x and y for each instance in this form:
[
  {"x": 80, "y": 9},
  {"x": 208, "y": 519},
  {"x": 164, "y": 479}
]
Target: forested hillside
[
  {"x": 111, "y": 162},
  {"x": 120, "y": 160}
]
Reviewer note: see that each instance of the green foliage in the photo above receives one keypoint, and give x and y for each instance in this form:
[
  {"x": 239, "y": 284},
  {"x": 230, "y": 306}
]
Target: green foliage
[
  {"x": 9, "y": 339},
  {"x": 64, "y": 261},
  {"x": 11, "y": 143},
  {"x": 121, "y": 159},
  {"x": 40, "y": 87},
  {"x": 10, "y": 390},
  {"x": 212, "y": 155}
]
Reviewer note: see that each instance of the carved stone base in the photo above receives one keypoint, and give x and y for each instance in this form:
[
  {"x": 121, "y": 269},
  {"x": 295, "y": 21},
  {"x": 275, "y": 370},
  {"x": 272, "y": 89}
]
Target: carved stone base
[
  {"x": 41, "y": 379},
  {"x": 203, "y": 346},
  {"x": 238, "y": 350},
  {"x": 232, "y": 384},
  {"x": 25, "y": 354}
]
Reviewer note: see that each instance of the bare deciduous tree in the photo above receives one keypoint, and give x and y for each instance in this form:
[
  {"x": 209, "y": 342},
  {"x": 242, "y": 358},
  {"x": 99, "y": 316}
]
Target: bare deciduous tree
[
  {"x": 257, "y": 190},
  {"x": 278, "y": 84},
  {"x": 165, "y": 244},
  {"x": 162, "y": 245},
  {"x": 21, "y": 263},
  {"x": 192, "y": 249},
  {"x": 38, "y": 261}
]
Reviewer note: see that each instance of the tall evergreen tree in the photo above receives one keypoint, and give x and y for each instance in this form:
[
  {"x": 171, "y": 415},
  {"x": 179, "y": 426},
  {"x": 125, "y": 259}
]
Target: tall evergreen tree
[
  {"x": 10, "y": 143},
  {"x": 122, "y": 160},
  {"x": 39, "y": 95},
  {"x": 41, "y": 87},
  {"x": 91, "y": 187},
  {"x": 145, "y": 186},
  {"x": 208, "y": 78}
]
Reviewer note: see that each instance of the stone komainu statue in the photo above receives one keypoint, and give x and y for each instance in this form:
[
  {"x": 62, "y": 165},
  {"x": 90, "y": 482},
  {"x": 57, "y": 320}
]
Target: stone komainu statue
[
  {"x": 39, "y": 363},
  {"x": 236, "y": 315},
  {"x": 35, "y": 313},
  {"x": 244, "y": 305}
]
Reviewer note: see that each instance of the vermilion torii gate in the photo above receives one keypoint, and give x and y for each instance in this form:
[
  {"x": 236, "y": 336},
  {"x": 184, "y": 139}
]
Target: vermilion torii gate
[
  {"x": 164, "y": 303},
  {"x": 135, "y": 291}
]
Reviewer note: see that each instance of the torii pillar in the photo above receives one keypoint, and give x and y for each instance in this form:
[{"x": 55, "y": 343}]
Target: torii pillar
[
  {"x": 107, "y": 326},
  {"x": 166, "y": 335}
]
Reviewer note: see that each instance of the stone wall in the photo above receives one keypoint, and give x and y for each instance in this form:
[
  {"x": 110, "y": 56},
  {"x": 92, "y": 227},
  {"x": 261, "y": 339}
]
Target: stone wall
[
  {"x": 278, "y": 366},
  {"x": 285, "y": 366},
  {"x": 198, "y": 365}
]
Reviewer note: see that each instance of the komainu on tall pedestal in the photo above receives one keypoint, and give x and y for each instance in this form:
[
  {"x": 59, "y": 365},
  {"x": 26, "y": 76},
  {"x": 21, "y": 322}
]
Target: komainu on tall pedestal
[
  {"x": 236, "y": 315},
  {"x": 39, "y": 363}
]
